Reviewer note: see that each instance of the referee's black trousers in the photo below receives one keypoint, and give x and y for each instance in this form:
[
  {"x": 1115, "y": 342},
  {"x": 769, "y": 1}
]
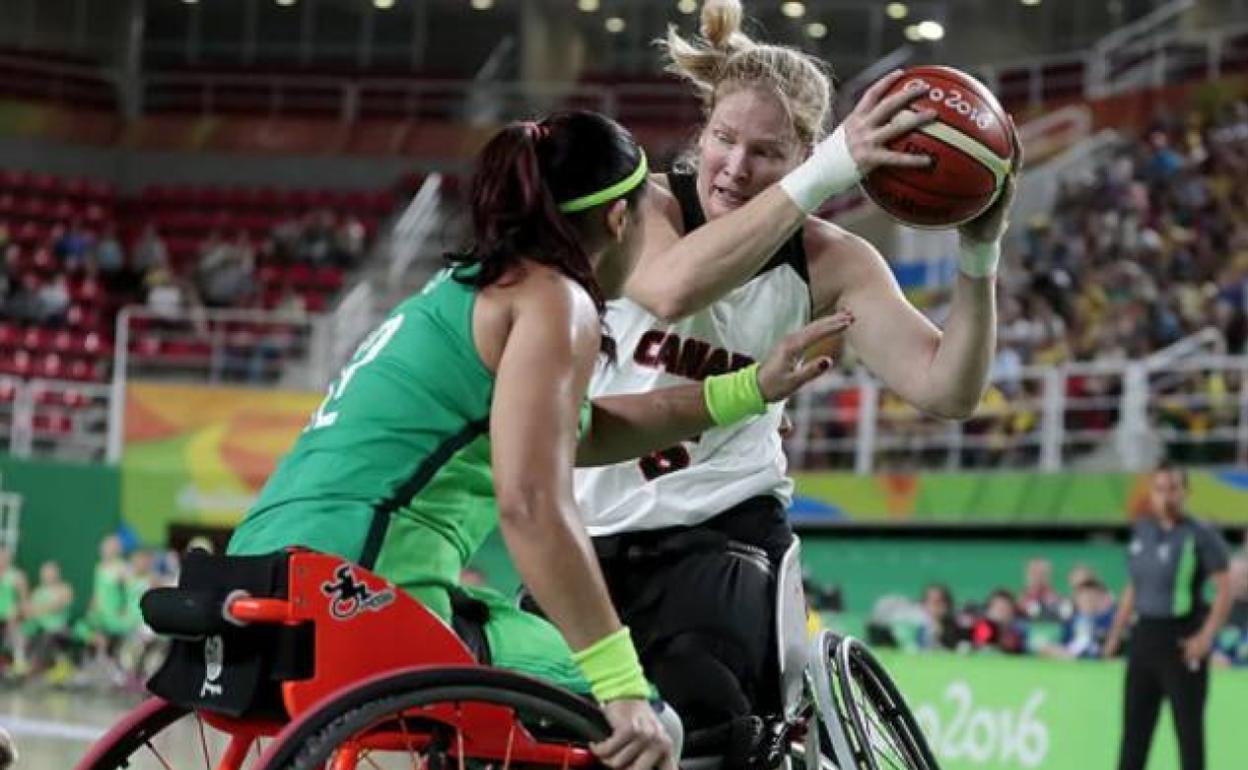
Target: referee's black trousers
[{"x": 1155, "y": 668}]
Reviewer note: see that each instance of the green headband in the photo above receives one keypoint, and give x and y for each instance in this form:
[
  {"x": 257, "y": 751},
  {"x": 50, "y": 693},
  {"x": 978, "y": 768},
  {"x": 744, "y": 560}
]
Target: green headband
[{"x": 617, "y": 190}]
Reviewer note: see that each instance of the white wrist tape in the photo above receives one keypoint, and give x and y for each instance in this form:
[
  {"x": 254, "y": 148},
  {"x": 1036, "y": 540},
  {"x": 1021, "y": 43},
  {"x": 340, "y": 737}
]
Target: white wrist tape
[
  {"x": 978, "y": 260},
  {"x": 830, "y": 169}
]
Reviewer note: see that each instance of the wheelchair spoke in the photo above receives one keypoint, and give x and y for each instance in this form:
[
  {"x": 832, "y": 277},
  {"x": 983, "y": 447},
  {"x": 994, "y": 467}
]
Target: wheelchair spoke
[
  {"x": 203, "y": 742},
  {"x": 511, "y": 736},
  {"x": 407, "y": 741},
  {"x": 159, "y": 757}
]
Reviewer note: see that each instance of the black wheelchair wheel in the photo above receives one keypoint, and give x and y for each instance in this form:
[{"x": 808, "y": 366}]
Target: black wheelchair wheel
[
  {"x": 882, "y": 730},
  {"x": 389, "y": 711},
  {"x": 157, "y": 735}
]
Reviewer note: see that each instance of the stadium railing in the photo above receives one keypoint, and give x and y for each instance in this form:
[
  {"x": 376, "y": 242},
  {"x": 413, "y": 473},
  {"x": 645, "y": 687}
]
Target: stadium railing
[
  {"x": 54, "y": 418},
  {"x": 1084, "y": 415}
]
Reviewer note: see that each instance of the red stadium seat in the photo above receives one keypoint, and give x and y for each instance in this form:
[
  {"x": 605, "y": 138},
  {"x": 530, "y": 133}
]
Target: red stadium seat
[
  {"x": 314, "y": 302},
  {"x": 10, "y": 335},
  {"x": 50, "y": 367},
  {"x": 19, "y": 364},
  {"x": 82, "y": 370},
  {"x": 66, "y": 341},
  {"x": 329, "y": 279},
  {"x": 37, "y": 339},
  {"x": 14, "y": 181}
]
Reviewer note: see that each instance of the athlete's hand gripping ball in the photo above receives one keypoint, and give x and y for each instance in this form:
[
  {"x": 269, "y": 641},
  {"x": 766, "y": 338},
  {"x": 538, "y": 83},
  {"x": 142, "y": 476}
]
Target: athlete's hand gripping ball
[{"x": 801, "y": 356}]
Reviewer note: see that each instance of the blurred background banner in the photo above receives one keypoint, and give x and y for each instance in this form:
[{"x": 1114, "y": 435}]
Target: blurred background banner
[
  {"x": 1013, "y": 713},
  {"x": 197, "y": 454},
  {"x": 1006, "y": 497}
]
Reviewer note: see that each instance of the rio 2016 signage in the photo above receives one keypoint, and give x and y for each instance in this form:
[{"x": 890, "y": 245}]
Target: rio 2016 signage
[{"x": 992, "y": 712}]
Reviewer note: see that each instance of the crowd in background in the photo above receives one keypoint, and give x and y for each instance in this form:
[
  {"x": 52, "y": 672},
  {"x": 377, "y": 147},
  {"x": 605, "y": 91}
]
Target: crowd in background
[
  {"x": 1036, "y": 619},
  {"x": 106, "y": 645},
  {"x": 39, "y": 285}
]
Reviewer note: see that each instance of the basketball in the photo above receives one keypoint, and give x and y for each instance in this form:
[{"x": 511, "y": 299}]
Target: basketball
[{"x": 971, "y": 144}]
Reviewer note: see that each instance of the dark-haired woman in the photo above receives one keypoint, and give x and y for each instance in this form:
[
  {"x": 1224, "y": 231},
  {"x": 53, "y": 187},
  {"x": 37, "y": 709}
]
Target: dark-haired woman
[{"x": 466, "y": 408}]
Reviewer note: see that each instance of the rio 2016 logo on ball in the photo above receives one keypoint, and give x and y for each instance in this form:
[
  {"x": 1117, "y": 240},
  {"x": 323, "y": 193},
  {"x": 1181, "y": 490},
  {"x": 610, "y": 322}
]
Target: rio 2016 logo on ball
[{"x": 971, "y": 144}]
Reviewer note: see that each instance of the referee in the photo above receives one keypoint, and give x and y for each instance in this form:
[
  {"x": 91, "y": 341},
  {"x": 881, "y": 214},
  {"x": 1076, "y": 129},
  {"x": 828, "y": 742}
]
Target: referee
[{"x": 1171, "y": 556}]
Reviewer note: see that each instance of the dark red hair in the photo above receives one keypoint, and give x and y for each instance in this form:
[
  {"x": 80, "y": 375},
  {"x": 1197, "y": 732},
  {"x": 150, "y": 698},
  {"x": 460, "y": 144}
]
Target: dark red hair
[{"x": 522, "y": 175}]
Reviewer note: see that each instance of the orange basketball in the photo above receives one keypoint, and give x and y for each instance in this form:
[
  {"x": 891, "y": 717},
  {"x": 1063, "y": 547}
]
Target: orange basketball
[{"x": 971, "y": 144}]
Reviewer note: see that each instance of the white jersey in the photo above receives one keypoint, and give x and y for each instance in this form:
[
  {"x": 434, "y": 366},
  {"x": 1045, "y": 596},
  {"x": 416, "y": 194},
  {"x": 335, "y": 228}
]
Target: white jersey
[{"x": 699, "y": 478}]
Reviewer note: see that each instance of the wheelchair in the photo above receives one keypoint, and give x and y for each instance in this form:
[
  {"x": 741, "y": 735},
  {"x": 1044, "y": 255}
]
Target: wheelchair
[{"x": 302, "y": 660}]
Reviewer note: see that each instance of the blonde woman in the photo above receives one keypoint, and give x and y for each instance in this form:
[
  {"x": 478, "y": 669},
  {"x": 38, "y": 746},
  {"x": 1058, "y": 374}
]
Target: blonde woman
[{"x": 731, "y": 261}]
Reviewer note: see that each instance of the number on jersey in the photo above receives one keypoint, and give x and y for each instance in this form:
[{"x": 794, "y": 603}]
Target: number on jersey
[{"x": 369, "y": 349}]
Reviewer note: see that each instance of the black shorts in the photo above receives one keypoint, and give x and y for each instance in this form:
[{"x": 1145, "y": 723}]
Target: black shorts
[{"x": 714, "y": 581}]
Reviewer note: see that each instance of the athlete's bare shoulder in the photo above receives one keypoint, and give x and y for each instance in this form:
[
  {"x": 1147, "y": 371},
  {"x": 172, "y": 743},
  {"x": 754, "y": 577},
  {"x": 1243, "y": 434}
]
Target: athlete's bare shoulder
[{"x": 838, "y": 259}]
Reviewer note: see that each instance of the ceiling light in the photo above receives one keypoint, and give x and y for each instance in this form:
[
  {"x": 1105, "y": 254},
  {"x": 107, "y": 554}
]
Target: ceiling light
[
  {"x": 588, "y": 6},
  {"x": 286, "y": 2},
  {"x": 1031, "y": 2},
  {"x": 931, "y": 30},
  {"x": 793, "y": 10},
  {"x": 912, "y": 33},
  {"x": 383, "y": 5},
  {"x": 897, "y": 11},
  {"x": 687, "y": 6},
  {"x": 190, "y": 2},
  {"x": 817, "y": 30},
  {"x": 614, "y": 24},
  {"x": 479, "y": 5}
]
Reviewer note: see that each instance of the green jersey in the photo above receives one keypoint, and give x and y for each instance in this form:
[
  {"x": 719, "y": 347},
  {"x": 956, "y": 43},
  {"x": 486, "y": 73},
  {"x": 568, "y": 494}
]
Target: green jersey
[
  {"x": 41, "y": 598},
  {"x": 10, "y": 597},
  {"x": 392, "y": 470}
]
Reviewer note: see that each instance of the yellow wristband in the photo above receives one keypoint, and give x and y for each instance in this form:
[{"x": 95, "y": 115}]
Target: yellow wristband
[
  {"x": 612, "y": 668},
  {"x": 733, "y": 396}
]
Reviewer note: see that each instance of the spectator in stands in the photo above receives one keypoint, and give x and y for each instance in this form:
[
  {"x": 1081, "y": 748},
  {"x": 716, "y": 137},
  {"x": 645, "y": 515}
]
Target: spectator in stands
[
  {"x": 53, "y": 300},
  {"x": 1079, "y": 574},
  {"x": 73, "y": 244},
  {"x": 10, "y": 276},
  {"x": 22, "y": 302},
  {"x": 1000, "y": 627},
  {"x": 224, "y": 275},
  {"x": 1039, "y": 598},
  {"x": 13, "y": 597},
  {"x": 46, "y": 626},
  {"x": 150, "y": 252},
  {"x": 1231, "y": 647},
  {"x": 350, "y": 239},
  {"x": 316, "y": 240},
  {"x": 1084, "y": 633},
  {"x": 108, "y": 253},
  {"x": 940, "y": 629}
]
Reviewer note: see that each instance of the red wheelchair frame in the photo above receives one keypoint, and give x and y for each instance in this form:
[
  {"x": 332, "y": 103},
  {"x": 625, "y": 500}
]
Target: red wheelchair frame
[{"x": 367, "y": 634}]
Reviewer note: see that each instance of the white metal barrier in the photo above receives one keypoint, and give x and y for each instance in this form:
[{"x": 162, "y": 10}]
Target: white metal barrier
[{"x": 1079, "y": 415}]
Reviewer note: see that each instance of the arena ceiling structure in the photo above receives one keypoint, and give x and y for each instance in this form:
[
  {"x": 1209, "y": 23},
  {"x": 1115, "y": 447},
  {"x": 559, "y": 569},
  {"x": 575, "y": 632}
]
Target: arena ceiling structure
[{"x": 492, "y": 38}]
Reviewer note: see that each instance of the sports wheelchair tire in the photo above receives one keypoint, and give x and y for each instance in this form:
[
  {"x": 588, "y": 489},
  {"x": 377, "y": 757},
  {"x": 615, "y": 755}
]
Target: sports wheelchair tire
[
  {"x": 382, "y": 706},
  {"x": 158, "y": 735},
  {"x": 864, "y": 722}
]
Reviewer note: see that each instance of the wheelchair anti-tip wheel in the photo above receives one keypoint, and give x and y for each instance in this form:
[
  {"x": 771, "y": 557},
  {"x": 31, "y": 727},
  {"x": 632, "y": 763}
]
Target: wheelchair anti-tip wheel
[
  {"x": 864, "y": 721},
  {"x": 157, "y": 735},
  {"x": 443, "y": 719}
]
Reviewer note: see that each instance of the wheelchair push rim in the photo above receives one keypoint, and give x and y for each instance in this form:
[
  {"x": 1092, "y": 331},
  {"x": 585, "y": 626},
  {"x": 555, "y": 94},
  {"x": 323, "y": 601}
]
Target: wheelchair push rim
[
  {"x": 883, "y": 731},
  {"x": 443, "y": 718}
]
